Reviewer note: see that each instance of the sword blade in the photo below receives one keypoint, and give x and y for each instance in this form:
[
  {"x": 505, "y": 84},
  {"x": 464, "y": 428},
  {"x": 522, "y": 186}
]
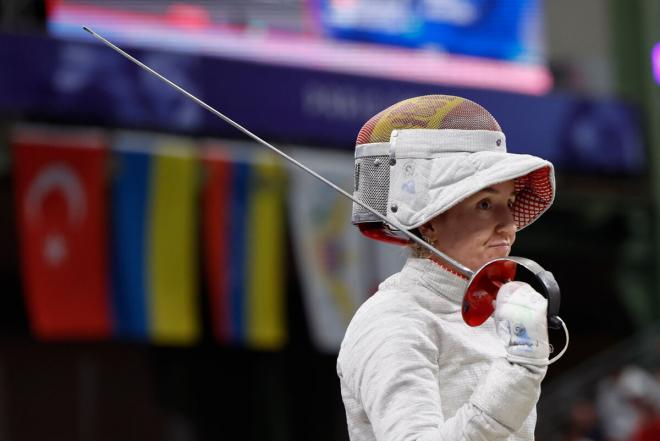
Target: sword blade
[{"x": 461, "y": 268}]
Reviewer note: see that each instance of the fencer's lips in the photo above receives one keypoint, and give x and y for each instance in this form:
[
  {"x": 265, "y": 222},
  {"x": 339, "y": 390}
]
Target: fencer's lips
[{"x": 500, "y": 245}]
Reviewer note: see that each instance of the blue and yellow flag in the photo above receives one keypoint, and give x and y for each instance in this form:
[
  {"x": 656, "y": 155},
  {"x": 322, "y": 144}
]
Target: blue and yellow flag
[{"x": 154, "y": 221}]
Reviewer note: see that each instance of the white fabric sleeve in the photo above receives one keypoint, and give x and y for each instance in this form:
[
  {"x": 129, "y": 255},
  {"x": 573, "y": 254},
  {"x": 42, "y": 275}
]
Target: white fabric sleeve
[{"x": 392, "y": 370}]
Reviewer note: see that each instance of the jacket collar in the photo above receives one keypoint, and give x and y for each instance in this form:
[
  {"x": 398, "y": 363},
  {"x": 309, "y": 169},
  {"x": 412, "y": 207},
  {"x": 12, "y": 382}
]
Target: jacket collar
[{"x": 435, "y": 277}]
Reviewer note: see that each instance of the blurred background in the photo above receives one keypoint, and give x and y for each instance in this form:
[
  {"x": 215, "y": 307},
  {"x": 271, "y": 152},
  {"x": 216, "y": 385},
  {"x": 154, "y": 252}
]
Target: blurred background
[{"x": 165, "y": 278}]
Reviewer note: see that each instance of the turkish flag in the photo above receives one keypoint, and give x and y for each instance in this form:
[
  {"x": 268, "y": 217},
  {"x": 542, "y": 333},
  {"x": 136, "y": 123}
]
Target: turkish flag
[{"x": 60, "y": 180}]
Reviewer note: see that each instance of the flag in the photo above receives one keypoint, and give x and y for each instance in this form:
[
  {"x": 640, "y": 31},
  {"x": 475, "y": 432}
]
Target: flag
[
  {"x": 155, "y": 216},
  {"x": 60, "y": 182},
  {"x": 244, "y": 232}
]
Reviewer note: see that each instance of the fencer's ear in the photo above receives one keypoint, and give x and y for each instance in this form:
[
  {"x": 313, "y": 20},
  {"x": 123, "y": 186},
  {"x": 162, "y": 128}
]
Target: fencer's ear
[
  {"x": 428, "y": 232},
  {"x": 427, "y": 227}
]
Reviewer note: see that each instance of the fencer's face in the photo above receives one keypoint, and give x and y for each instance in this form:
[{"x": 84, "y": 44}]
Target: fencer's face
[{"x": 477, "y": 230}]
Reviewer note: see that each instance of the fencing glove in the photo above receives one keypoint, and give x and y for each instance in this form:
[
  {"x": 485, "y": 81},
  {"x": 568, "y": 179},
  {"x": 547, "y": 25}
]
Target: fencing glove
[{"x": 522, "y": 323}]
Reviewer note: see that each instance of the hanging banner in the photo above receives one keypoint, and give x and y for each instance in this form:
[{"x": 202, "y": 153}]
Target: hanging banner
[
  {"x": 339, "y": 268},
  {"x": 244, "y": 247},
  {"x": 60, "y": 182},
  {"x": 155, "y": 239}
]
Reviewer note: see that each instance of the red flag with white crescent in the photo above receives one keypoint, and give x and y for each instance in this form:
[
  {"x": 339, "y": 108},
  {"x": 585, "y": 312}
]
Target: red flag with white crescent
[{"x": 60, "y": 184}]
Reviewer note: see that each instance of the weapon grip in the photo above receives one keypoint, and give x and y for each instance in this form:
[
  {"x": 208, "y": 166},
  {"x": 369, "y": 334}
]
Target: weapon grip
[{"x": 485, "y": 283}]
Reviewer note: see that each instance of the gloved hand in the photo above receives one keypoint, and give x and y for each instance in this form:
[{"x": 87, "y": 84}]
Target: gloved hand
[{"x": 522, "y": 324}]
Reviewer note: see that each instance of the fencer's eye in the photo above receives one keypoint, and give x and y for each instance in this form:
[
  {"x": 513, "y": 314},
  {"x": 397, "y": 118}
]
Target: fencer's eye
[{"x": 484, "y": 204}]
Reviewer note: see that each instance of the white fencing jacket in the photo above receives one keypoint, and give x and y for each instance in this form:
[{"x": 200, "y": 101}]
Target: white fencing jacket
[{"x": 411, "y": 370}]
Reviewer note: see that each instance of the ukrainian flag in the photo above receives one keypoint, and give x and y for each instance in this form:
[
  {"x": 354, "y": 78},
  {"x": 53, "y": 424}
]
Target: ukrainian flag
[{"x": 154, "y": 244}]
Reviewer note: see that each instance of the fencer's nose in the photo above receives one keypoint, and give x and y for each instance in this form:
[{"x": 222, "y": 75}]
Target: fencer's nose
[{"x": 506, "y": 225}]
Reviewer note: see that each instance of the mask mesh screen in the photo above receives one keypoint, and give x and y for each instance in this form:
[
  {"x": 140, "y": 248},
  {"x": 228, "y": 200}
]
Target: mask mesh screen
[{"x": 372, "y": 180}]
